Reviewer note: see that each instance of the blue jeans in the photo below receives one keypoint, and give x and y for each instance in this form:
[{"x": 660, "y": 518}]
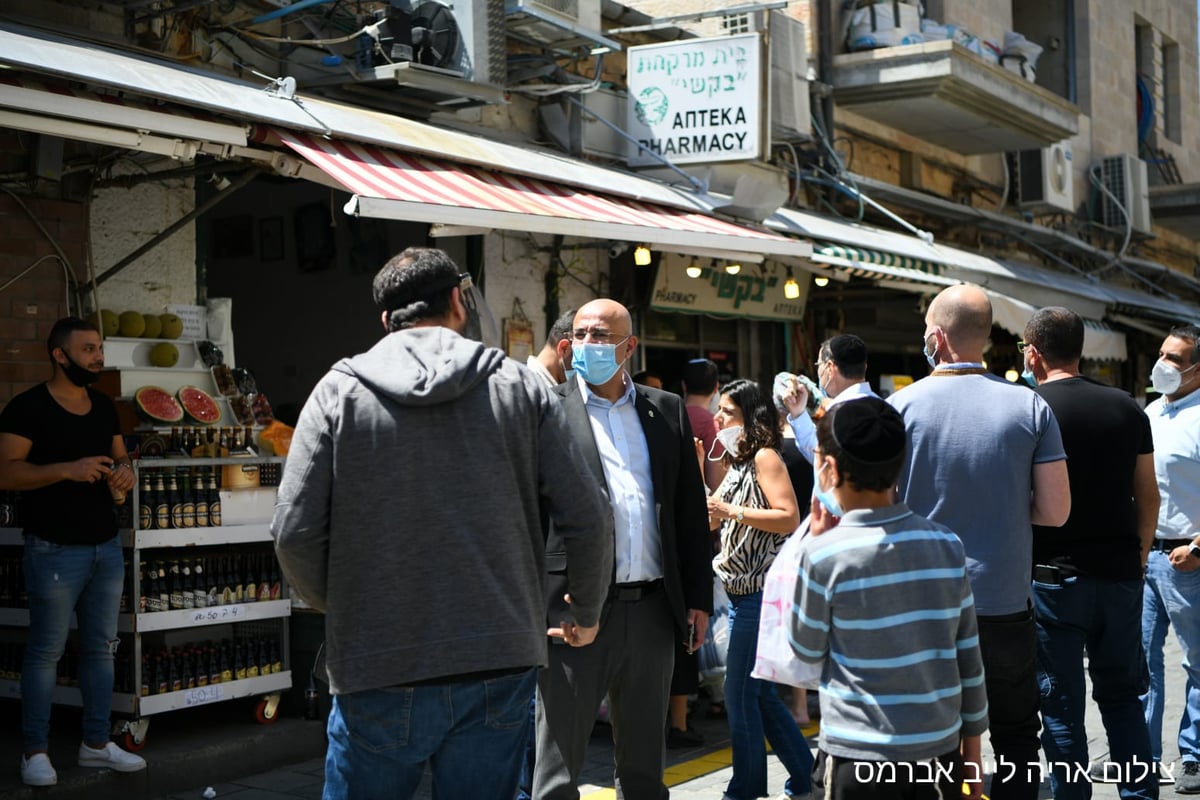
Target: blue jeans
[
  {"x": 1103, "y": 617},
  {"x": 1172, "y": 598},
  {"x": 61, "y": 579},
  {"x": 471, "y": 734},
  {"x": 755, "y": 710}
]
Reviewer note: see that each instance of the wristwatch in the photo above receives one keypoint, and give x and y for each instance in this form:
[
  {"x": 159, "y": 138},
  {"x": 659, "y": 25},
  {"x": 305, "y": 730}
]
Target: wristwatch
[
  {"x": 1194, "y": 550},
  {"x": 741, "y": 515}
]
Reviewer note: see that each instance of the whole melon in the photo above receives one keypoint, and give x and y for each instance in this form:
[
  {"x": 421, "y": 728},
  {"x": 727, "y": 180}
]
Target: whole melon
[
  {"x": 172, "y": 326},
  {"x": 153, "y": 326},
  {"x": 105, "y": 321},
  {"x": 164, "y": 354},
  {"x": 132, "y": 324}
]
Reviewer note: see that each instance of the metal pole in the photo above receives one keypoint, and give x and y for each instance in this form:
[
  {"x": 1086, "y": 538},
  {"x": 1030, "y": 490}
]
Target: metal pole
[{"x": 174, "y": 227}]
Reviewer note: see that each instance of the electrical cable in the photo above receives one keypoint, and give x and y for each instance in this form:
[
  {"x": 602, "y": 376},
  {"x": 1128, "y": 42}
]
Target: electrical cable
[{"x": 68, "y": 270}]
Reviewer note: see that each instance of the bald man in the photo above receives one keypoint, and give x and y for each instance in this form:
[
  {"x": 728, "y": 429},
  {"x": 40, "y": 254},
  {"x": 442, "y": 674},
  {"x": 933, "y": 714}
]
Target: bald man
[
  {"x": 638, "y": 445},
  {"x": 986, "y": 459}
]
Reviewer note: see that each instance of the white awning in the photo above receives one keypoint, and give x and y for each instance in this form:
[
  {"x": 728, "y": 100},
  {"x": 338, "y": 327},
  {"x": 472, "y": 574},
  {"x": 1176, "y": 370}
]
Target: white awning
[{"x": 1100, "y": 341}]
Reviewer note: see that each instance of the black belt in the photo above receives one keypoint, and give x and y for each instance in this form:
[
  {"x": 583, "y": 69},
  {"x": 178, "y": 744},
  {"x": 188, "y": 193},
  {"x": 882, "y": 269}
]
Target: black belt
[
  {"x": 1167, "y": 545},
  {"x": 632, "y": 592}
]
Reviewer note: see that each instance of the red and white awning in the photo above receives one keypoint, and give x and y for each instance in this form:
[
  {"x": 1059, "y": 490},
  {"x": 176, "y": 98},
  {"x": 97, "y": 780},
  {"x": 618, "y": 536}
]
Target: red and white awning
[{"x": 392, "y": 184}]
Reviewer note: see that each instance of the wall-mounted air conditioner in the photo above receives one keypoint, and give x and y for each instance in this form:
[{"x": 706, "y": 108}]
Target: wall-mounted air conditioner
[
  {"x": 1124, "y": 176},
  {"x": 790, "y": 120},
  {"x": 1043, "y": 180},
  {"x": 556, "y": 23},
  {"x": 466, "y": 39}
]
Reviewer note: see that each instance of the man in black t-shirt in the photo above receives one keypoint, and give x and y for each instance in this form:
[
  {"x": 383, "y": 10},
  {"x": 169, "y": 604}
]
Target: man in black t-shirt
[
  {"x": 61, "y": 447},
  {"x": 1087, "y": 575}
]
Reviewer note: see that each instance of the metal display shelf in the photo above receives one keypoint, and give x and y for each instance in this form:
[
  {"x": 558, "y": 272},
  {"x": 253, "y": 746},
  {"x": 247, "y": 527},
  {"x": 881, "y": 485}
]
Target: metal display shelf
[{"x": 199, "y": 617}]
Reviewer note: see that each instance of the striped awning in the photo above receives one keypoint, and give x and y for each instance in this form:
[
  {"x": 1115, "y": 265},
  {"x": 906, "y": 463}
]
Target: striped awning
[
  {"x": 394, "y": 184},
  {"x": 881, "y": 265}
]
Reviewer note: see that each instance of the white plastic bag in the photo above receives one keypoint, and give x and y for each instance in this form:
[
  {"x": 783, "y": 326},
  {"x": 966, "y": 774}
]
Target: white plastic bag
[
  {"x": 885, "y": 24},
  {"x": 1020, "y": 55},
  {"x": 774, "y": 661},
  {"x": 711, "y": 656}
]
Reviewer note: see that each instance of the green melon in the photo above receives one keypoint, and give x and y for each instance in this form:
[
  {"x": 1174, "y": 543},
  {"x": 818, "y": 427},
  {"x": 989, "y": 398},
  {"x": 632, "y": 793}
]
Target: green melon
[
  {"x": 153, "y": 326},
  {"x": 105, "y": 321},
  {"x": 172, "y": 326},
  {"x": 132, "y": 324},
  {"x": 164, "y": 354}
]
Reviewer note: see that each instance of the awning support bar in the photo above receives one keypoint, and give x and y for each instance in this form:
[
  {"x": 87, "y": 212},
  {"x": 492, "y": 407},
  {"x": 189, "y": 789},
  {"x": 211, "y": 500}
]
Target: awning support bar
[{"x": 174, "y": 227}]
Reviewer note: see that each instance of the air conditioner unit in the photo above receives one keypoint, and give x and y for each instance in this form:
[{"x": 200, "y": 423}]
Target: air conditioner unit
[
  {"x": 790, "y": 120},
  {"x": 1043, "y": 178},
  {"x": 557, "y": 23},
  {"x": 1124, "y": 176}
]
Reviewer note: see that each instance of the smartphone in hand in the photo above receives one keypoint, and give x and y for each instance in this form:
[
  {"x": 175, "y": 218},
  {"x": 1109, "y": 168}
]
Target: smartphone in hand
[{"x": 691, "y": 642}]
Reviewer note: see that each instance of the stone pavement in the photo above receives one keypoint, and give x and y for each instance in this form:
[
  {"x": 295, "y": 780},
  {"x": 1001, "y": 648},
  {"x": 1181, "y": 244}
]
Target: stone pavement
[{"x": 698, "y": 774}]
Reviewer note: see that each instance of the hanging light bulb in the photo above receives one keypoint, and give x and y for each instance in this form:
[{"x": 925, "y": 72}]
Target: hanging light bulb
[
  {"x": 821, "y": 280},
  {"x": 641, "y": 255},
  {"x": 791, "y": 289},
  {"x": 733, "y": 269},
  {"x": 693, "y": 269}
]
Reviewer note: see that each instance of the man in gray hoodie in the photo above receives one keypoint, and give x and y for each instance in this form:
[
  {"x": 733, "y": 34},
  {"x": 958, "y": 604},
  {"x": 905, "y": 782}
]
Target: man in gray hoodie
[{"x": 409, "y": 512}]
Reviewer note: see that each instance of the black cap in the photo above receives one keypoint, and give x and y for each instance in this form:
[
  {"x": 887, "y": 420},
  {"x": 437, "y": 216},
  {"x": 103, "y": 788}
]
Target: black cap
[
  {"x": 867, "y": 430},
  {"x": 847, "y": 350}
]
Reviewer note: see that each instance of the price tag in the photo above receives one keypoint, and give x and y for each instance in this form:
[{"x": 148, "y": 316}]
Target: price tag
[
  {"x": 204, "y": 694},
  {"x": 203, "y": 616}
]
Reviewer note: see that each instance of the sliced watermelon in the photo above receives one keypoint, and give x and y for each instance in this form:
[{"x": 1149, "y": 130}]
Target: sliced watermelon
[
  {"x": 158, "y": 404},
  {"x": 199, "y": 405}
]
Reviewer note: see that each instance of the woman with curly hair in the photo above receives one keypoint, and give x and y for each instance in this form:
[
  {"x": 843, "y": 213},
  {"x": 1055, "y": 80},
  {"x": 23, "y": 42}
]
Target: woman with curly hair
[{"x": 756, "y": 510}]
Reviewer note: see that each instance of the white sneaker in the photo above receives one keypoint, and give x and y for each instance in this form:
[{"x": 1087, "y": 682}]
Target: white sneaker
[
  {"x": 110, "y": 756},
  {"x": 38, "y": 771}
]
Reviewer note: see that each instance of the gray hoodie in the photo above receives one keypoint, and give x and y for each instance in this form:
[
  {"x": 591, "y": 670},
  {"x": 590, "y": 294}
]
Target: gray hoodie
[{"x": 409, "y": 512}]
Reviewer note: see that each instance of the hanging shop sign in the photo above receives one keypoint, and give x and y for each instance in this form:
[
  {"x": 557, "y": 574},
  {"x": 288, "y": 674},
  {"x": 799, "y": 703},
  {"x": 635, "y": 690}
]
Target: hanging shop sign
[
  {"x": 754, "y": 292},
  {"x": 696, "y": 101}
]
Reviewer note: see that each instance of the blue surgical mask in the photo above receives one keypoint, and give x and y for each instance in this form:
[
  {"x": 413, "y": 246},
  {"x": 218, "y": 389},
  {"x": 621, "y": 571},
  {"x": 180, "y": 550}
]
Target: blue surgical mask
[
  {"x": 930, "y": 355},
  {"x": 824, "y": 497},
  {"x": 568, "y": 372},
  {"x": 1028, "y": 376},
  {"x": 596, "y": 363}
]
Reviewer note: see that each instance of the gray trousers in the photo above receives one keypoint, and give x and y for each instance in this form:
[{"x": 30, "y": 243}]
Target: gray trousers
[{"x": 631, "y": 660}]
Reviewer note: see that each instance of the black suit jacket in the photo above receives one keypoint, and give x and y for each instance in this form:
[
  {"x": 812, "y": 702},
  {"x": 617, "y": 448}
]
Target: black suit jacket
[{"x": 679, "y": 498}]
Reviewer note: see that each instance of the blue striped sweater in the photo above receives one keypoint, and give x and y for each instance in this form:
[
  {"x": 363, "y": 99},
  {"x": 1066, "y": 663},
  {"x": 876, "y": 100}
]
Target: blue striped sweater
[{"x": 884, "y": 601}]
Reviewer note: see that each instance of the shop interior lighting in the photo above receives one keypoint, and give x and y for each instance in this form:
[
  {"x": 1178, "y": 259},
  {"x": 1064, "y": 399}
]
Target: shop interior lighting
[
  {"x": 693, "y": 269},
  {"x": 641, "y": 256},
  {"x": 820, "y": 280},
  {"x": 733, "y": 268},
  {"x": 1011, "y": 375},
  {"x": 791, "y": 289}
]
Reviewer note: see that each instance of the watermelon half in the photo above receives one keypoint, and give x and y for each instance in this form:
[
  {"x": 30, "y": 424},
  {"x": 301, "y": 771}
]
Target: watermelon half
[
  {"x": 199, "y": 404},
  {"x": 158, "y": 404}
]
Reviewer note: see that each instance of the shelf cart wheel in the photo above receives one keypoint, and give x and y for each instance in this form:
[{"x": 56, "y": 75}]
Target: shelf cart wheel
[
  {"x": 266, "y": 711},
  {"x": 133, "y": 734}
]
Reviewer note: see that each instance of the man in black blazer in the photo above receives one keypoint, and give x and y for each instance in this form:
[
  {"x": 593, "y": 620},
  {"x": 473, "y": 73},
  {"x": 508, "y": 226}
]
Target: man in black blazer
[{"x": 638, "y": 444}]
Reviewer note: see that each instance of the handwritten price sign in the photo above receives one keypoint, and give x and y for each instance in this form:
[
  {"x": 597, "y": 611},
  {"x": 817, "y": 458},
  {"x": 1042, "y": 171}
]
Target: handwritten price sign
[
  {"x": 204, "y": 694},
  {"x": 206, "y": 615}
]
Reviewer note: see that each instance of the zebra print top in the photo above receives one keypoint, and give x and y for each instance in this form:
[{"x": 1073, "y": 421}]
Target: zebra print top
[{"x": 746, "y": 552}]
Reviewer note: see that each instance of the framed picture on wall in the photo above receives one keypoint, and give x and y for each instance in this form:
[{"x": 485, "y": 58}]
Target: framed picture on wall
[
  {"x": 270, "y": 239},
  {"x": 518, "y": 338}
]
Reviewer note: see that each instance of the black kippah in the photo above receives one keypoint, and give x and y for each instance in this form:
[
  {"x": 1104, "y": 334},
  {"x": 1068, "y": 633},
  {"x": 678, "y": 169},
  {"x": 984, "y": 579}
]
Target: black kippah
[
  {"x": 847, "y": 350},
  {"x": 867, "y": 430}
]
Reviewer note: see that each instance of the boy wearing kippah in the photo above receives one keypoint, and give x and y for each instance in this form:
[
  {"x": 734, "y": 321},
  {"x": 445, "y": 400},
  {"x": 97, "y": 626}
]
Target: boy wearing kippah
[{"x": 884, "y": 602}]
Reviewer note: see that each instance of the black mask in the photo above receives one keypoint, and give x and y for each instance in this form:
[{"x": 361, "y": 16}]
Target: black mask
[{"x": 80, "y": 376}]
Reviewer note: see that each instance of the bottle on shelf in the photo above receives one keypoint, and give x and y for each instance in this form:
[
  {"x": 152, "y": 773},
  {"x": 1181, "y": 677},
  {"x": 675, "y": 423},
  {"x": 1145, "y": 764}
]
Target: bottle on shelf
[
  {"x": 239, "y": 662},
  {"x": 145, "y": 503},
  {"x": 162, "y": 507},
  {"x": 264, "y": 579},
  {"x": 188, "y": 501},
  {"x": 226, "y": 664},
  {"x": 239, "y": 588},
  {"x": 226, "y": 582},
  {"x": 276, "y": 581},
  {"x": 175, "y": 501},
  {"x": 176, "y": 678},
  {"x": 142, "y": 587},
  {"x": 162, "y": 680},
  {"x": 144, "y": 689},
  {"x": 223, "y": 444},
  {"x": 187, "y": 676},
  {"x": 199, "y": 585},
  {"x": 176, "y": 589},
  {"x": 187, "y": 584},
  {"x": 250, "y": 581},
  {"x": 214, "y": 502},
  {"x": 214, "y": 665},
  {"x": 201, "y": 500}
]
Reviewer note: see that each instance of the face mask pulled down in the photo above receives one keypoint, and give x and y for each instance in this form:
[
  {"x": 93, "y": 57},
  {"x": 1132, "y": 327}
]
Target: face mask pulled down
[
  {"x": 76, "y": 374},
  {"x": 730, "y": 438},
  {"x": 824, "y": 496}
]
